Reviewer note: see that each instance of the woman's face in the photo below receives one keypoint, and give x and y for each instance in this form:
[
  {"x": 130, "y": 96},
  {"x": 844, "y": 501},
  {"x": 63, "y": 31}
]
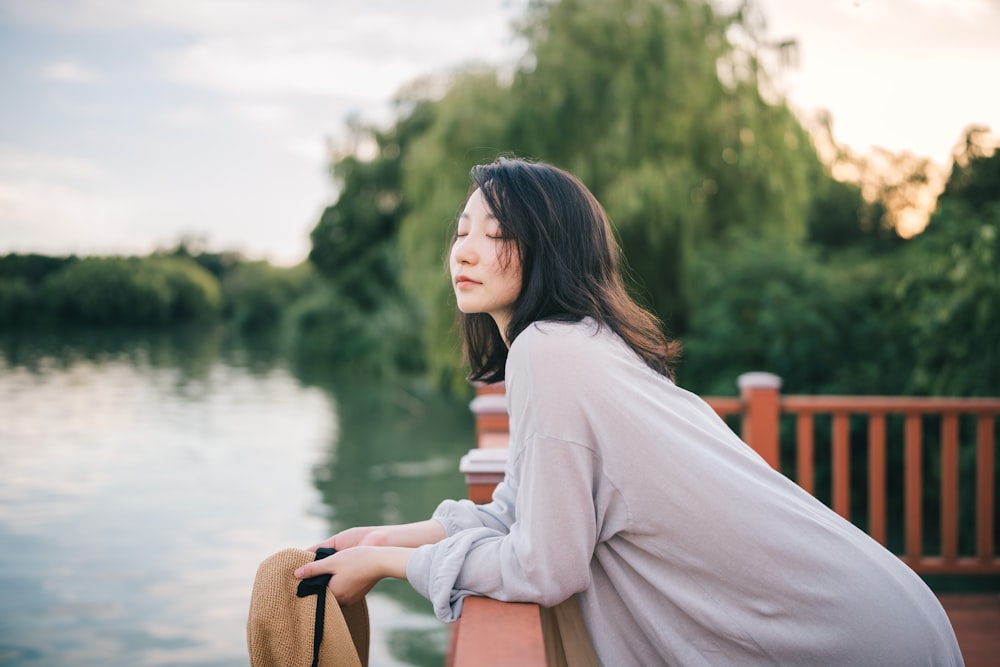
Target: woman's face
[{"x": 485, "y": 266}]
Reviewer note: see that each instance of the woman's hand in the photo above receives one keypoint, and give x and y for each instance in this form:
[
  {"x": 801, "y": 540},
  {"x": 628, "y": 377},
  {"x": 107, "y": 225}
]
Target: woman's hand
[
  {"x": 371, "y": 536},
  {"x": 401, "y": 535},
  {"x": 355, "y": 571}
]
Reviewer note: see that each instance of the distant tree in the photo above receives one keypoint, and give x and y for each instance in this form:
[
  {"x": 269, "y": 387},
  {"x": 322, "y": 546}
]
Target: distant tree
[
  {"x": 823, "y": 326},
  {"x": 21, "y": 277},
  {"x": 130, "y": 291},
  {"x": 975, "y": 172},
  {"x": 32, "y": 268},
  {"x": 899, "y": 189},
  {"x": 950, "y": 288},
  {"x": 364, "y": 318},
  {"x": 257, "y": 296},
  {"x": 469, "y": 124}
]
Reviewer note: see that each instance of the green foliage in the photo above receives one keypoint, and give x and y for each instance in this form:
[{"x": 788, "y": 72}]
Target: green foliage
[
  {"x": 331, "y": 331},
  {"x": 920, "y": 317},
  {"x": 20, "y": 279},
  {"x": 17, "y": 301},
  {"x": 840, "y": 218},
  {"x": 370, "y": 322},
  {"x": 130, "y": 291},
  {"x": 950, "y": 294},
  {"x": 256, "y": 295},
  {"x": 763, "y": 304},
  {"x": 628, "y": 96},
  {"x": 465, "y": 127},
  {"x": 823, "y": 326},
  {"x": 32, "y": 268},
  {"x": 353, "y": 241},
  {"x": 193, "y": 248},
  {"x": 975, "y": 174},
  {"x": 949, "y": 288}
]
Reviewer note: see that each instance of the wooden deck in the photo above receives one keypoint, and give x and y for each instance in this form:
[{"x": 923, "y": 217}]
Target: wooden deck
[{"x": 976, "y": 619}]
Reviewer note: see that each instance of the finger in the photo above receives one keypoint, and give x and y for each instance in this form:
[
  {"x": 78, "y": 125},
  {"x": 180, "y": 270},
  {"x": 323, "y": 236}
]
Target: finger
[
  {"x": 325, "y": 544},
  {"x": 315, "y": 568}
]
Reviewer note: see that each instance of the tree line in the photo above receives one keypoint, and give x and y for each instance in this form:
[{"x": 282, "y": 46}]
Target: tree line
[{"x": 735, "y": 231}]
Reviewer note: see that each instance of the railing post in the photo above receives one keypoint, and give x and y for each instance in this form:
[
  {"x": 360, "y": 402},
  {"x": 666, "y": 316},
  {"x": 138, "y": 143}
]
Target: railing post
[
  {"x": 484, "y": 466},
  {"x": 490, "y": 408},
  {"x": 762, "y": 409},
  {"x": 483, "y": 470}
]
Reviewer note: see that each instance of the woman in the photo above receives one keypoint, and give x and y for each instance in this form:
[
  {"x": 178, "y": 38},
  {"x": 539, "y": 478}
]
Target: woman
[{"x": 681, "y": 545}]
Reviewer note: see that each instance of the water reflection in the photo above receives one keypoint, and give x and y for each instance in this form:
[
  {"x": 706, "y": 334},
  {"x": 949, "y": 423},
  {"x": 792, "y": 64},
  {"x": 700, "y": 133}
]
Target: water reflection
[{"x": 143, "y": 479}]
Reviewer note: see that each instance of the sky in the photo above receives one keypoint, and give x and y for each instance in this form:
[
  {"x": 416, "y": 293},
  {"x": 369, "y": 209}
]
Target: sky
[{"x": 126, "y": 125}]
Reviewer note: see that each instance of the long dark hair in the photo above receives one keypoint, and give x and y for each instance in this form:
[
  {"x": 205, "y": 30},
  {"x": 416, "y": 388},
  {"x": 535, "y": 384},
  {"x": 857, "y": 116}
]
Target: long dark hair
[{"x": 570, "y": 266}]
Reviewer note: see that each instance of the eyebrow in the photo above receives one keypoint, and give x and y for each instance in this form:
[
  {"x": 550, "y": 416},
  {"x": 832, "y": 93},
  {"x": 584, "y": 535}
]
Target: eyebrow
[{"x": 489, "y": 216}]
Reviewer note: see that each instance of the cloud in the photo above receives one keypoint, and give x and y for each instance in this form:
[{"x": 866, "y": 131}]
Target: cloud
[
  {"x": 46, "y": 199},
  {"x": 68, "y": 71},
  {"x": 188, "y": 116},
  {"x": 211, "y": 117},
  {"x": 14, "y": 163},
  {"x": 357, "y": 55},
  {"x": 353, "y": 49},
  {"x": 62, "y": 204}
]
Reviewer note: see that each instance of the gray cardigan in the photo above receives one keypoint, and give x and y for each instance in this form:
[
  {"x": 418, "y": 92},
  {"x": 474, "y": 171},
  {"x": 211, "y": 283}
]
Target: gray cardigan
[{"x": 685, "y": 547}]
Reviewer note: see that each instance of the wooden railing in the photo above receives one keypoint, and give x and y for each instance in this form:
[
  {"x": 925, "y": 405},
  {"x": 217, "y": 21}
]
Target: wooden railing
[{"x": 882, "y": 462}]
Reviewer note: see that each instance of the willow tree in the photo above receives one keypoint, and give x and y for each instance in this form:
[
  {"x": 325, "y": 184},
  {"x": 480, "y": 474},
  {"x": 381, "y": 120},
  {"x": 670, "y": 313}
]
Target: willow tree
[
  {"x": 470, "y": 126},
  {"x": 657, "y": 105}
]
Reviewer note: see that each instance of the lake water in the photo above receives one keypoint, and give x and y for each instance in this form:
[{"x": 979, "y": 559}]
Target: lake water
[{"x": 142, "y": 480}]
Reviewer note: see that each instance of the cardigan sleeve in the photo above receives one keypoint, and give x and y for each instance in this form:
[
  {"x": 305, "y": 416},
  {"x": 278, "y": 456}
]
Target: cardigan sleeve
[
  {"x": 498, "y": 514},
  {"x": 535, "y": 541},
  {"x": 545, "y": 555}
]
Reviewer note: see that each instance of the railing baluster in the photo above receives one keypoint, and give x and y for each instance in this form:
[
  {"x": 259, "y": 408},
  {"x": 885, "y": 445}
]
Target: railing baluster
[
  {"x": 841, "y": 466},
  {"x": 949, "y": 487},
  {"x": 804, "y": 454},
  {"x": 876, "y": 477},
  {"x": 984, "y": 487},
  {"x": 912, "y": 482}
]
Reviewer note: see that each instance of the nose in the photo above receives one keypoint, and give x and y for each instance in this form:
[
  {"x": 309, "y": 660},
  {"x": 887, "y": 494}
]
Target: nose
[{"x": 464, "y": 250}]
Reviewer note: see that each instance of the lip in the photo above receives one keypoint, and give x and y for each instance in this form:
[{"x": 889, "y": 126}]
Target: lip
[{"x": 465, "y": 281}]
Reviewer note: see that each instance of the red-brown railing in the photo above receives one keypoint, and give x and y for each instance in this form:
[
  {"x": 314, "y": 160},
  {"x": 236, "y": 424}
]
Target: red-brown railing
[
  {"x": 898, "y": 475},
  {"x": 974, "y": 418}
]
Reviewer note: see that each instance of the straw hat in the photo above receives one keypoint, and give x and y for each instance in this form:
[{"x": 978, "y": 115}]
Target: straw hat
[{"x": 284, "y": 618}]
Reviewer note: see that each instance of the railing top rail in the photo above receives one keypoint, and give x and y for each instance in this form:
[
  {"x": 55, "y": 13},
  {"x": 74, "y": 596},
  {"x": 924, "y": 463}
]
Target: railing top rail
[
  {"x": 819, "y": 403},
  {"x": 726, "y": 404}
]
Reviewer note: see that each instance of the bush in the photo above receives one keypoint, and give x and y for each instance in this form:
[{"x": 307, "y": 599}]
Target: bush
[
  {"x": 328, "y": 329},
  {"x": 256, "y": 294},
  {"x": 194, "y": 292},
  {"x": 769, "y": 305},
  {"x": 34, "y": 269},
  {"x": 130, "y": 291},
  {"x": 950, "y": 294},
  {"x": 17, "y": 301}
]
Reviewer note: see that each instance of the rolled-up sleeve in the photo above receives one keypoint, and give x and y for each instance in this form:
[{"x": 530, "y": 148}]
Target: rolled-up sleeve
[
  {"x": 535, "y": 541},
  {"x": 498, "y": 514},
  {"x": 543, "y": 556}
]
